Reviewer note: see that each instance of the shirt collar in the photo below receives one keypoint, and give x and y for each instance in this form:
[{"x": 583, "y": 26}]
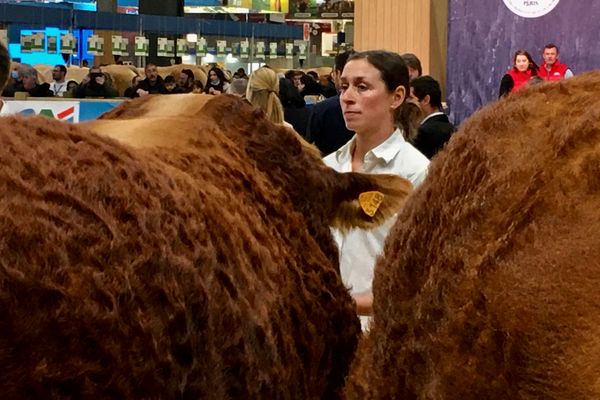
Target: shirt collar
[
  {"x": 431, "y": 116},
  {"x": 386, "y": 151}
]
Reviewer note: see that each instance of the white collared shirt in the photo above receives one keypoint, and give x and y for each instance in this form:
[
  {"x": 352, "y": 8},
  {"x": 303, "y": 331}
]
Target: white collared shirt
[{"x": 360, "y": 248}]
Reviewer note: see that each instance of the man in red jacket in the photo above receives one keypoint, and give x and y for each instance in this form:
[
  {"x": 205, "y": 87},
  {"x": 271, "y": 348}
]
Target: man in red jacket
[{"x": 552, "y": 69}]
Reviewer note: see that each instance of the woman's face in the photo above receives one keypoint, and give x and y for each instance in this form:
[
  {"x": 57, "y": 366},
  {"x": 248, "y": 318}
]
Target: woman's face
[
  {"x": 212, "y": 75},
  {"x": 522, "y": 63},
  {"x": 364, "y": 97}
]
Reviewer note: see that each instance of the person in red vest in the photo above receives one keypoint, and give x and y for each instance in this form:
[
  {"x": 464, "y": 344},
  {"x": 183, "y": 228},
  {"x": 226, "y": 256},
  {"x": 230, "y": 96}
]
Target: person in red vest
[
  {"x": 522, "y": 71},
  {"x": 552, "y": 69}
]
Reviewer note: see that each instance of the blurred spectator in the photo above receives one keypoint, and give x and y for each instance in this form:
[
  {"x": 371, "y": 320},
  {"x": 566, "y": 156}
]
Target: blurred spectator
[
  {"x": 29, "y": 79},
  {"x": 13, "y": 84},
  {"x": 414, "y": 65},
  {"x": 294, "y": 108},
  {"x": 435, "y": 129},
  {"x": 71, "y": 87},
  {"x": 262, "y": 90},
  {"x": 59, "y": 86},
  {"x": 171, "y": 86},
  {"x": 238, "y": 87},
  {"x": 216, "y": 83},
  {"x": 240, "y": 74},
  {"x": 311, "y": 86},
  {"x": 186, "y": 80},
  {"x": 327, "y": 86},
  {"x": 523, "y": 69},
  {"x": 95, "y": 85},
  {"x": 198, "y": 87},
  {"x": 296, "y": 78},
  {"x": 131, "y": 90},
  {"x": 152, "y": 84},
  {"x": 552, "y": 69},
  {"x": 326, "y": 126}
]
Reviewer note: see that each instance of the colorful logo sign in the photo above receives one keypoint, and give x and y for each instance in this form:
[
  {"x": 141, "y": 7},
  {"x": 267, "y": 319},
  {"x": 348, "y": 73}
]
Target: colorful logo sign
[
  {"x": 61, "y": 110},
  {"x": 531, "y": 8}
]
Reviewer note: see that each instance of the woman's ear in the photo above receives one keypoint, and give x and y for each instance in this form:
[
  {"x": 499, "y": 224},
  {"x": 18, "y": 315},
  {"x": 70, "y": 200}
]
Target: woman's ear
[{"x": 399, "y": 96}]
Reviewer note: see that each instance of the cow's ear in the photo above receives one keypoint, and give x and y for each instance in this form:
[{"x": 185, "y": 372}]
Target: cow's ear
[{"x": 366, "y": 201}]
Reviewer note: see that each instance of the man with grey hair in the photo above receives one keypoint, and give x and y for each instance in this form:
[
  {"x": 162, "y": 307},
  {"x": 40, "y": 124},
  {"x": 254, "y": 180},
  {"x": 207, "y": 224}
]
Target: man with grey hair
[{"x": 28, "y": 77}]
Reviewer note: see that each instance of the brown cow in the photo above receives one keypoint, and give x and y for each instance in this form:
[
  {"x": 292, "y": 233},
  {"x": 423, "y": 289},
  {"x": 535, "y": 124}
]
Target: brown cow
[
  {"x": 489, "y": 288},
  {"x": 198, "y": 265}
]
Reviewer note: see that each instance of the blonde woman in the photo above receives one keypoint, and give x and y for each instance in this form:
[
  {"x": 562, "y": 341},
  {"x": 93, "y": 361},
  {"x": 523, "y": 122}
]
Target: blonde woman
[{"x": 263, "y": 92}]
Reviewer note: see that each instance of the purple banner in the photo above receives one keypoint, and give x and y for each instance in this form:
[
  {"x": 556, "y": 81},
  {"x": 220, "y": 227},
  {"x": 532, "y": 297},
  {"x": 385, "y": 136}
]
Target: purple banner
[{"x": 483, "y": 36}]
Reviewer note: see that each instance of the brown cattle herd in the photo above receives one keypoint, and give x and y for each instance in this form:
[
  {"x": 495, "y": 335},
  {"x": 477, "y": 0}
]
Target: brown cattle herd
[{"x": 179, "y": 248}]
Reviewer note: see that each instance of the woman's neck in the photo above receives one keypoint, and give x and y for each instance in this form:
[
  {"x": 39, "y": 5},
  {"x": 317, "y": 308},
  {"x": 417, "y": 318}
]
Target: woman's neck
[{"x": 368, "y": 140}]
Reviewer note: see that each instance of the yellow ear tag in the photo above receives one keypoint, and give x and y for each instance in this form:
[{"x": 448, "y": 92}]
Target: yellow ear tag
[{"x": 370, "y": 202}]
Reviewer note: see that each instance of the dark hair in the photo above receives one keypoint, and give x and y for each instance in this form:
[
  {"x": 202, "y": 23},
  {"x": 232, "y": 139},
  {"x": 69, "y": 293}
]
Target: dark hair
[
  {"x": 427, "y": 86},
  {"x": 341, "y": 59},
  {"x": 550, "y": 46},
  {"x": 62, "y": 68},
  {"x": 4, "y": 66},
  {"x": 394, "y": 73},
  {"x": 313, "y": 74},
  {"x": 198, "y": 85},
  {"x": 532, "y": 65},
  {"x": 169, "y": 79},
  {"x": 413, "y": 62},
  {"x": 292, "y": 73},
  {"x": 72, "y": 82},
  {"x": 189, "y": 74},
  {"x": 219, "y": 72}
]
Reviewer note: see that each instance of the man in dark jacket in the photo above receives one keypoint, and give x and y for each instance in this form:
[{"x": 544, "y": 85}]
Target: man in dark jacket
[
  {"x": 326, "y": 125},
  {"x": 435, "y": 129},
  {"x": 153, "y": 84}
]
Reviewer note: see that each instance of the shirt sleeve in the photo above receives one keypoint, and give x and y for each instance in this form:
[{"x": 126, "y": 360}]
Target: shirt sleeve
[{"x": 569, "y": 74}]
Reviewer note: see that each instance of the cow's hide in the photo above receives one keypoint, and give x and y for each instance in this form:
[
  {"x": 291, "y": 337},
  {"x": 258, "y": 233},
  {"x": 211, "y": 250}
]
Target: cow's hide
[
  {"x": 198, "y": 264},
  {"x": 488, "y": 288}
]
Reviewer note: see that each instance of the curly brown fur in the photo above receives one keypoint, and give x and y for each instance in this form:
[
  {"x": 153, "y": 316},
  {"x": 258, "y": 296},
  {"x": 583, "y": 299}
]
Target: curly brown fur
[
  {"x": 488, "y": 288},
  {"x": 152, "y": 274}
]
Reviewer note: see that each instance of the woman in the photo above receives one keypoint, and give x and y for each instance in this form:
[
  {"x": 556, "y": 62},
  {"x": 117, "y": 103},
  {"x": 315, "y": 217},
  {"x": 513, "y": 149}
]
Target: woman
[
  {"x": 216, "y": 83},
  {"x": 262, "y": 90},
  {"x": 374, "y": 87},
  {"x": 523, "y": 69}
]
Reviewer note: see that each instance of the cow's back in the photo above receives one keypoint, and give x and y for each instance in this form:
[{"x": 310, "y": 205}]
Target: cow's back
[{"x": 489, "y": 284}]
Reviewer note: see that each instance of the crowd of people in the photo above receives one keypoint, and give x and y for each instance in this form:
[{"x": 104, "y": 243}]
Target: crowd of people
[{"x": 525, "y": 71}]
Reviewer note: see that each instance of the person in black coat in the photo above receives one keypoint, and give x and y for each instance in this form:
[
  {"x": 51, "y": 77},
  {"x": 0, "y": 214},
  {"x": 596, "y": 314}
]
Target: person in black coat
[
  {"x": 326, "y": 125},
  {"x": 153, "y": 84},
  {"x": 95, "y": 84},
  {"x": 435, "y": 129}
]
